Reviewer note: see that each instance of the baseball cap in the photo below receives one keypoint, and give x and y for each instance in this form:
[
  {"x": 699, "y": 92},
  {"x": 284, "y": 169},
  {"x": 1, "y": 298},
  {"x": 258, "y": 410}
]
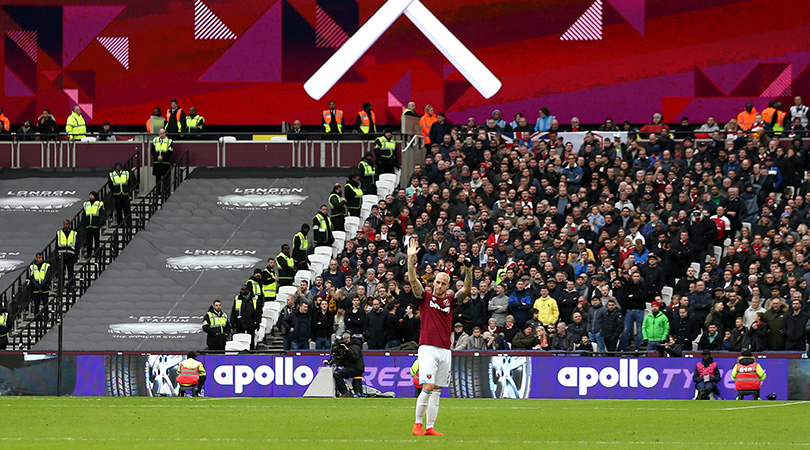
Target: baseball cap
[
  {"x": 784, "y": 214},
  {"x": 658, "y": 304},
  {"x": 581, "y": 241},
  {"x": 458, "y": 324}
]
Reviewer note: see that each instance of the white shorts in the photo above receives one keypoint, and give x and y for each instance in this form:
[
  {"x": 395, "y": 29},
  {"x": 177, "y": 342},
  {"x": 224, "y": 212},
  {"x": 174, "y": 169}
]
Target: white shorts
[{"x": 434, "y": 365}]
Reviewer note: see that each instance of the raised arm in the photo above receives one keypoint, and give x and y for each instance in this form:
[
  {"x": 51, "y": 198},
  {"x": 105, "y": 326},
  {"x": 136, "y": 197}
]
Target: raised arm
[
  {"x": 413, "y": 253},
  {"x": 465, "y": 291}
]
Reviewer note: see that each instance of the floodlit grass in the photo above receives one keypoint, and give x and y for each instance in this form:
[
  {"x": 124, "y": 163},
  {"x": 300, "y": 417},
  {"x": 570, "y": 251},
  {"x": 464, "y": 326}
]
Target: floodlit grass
[{"x": 371, "y": 424}]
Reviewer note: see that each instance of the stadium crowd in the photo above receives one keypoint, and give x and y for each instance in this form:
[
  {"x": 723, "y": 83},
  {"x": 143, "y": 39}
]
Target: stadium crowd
[{"x": 682, "y": 238}]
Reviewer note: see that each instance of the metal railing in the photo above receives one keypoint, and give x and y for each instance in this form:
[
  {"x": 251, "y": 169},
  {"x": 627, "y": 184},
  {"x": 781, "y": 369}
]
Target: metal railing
[{"x": 87, "y": 271}]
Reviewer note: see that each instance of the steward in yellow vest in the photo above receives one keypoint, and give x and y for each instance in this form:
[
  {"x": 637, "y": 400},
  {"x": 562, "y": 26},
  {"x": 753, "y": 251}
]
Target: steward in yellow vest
[
  {"x": 216, "y": 326},
  {"x": 300, "y": 248},
  {"x": 366, "y": 121},
  {"x": 75, "y": 126}
]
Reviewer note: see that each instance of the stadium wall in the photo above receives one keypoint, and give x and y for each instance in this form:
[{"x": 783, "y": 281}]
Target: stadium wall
[{"x": 483, "y": 376}]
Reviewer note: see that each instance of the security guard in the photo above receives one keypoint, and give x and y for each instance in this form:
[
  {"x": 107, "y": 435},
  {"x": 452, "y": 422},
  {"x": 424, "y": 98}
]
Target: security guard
[
  {"x": 216, "y": 326},
  {"x": 175, "y": 120},
  {"x": 322, "y": 227},
  {"x": 270, "y": 281},
  {"x": 368, "y": 180},
  {"x": 194, "y": 124},
  {"x": 332, "y": 120},
  {"x": 119, "y": 186},
  {"x": 39, "y": 278},
  {"x": 257, "y": 288},
  {"x": 286, "y": 267},
  {"x": 366, "y": 121},
  {"x": 353, "y": 195},
  {"x": 300, "y": 248},
  {"x": 162, "y": 161},
  {"x": 191, "y": 372},
  {"x": 92, "y": 220},
  {"x": 5, "y": 327},
  {"x": 338, "y": 205},
  {"x": 243, "y": 314},
  {"x": 66, "y": 247},
  {"x": 75, "y": 126},
  {"x": 385, "y": 148}
]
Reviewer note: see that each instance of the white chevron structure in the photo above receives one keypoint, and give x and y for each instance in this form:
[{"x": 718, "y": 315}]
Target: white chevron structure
[
  {"x": 27, "y": 40},
  {"x": 207, "y": 25},
  {"x": 588, "y": 27},
  {"x": 118, "y": 48}
]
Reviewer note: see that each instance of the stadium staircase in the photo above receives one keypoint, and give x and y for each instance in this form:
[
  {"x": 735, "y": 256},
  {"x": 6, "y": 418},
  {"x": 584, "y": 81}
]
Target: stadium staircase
[{"x": 28, "y": 326}]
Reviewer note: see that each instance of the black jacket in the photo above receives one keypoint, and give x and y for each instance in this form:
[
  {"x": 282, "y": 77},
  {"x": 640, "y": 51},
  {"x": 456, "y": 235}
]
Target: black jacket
[
  {"x": 355, "y": 320},
  {"x": 632, "y": 295},
  {"x": 374, "y": 328},
  {"x": 794, "y": 326},
  {"x": 612, "y": 324},
  {"x": 244, "y": 319},
  {"x": 684, "y": 330},
  {"x": 323, "y": 324},
  {"x": 301, "y": 326},
  {"x": 353, "y": 357},
  {"x": 216, "y": 335}
]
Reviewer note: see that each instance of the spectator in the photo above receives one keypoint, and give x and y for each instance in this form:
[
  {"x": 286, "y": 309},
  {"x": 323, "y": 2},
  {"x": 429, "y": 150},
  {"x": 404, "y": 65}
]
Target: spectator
[
  {"x": 26, "y": 132},
  {"x": 477, "y": 341},
  {"x": 548, "y": 310},
  {"x": 300, "y": 327},
  {"x": 323, "y": 324},
  {"x": 775, "y": 316},
  {"x": 458, "y": 337},
  {"x": 711, "y": 340},
  {"x": 374, "y": 330},
  {"x": 46, "y": 126},
  {"x": 562, "y": 340},
  {"x": 655, "y": 328},
  {"x": 106, "y": 134},
  {"x": 525, "y": 340},
  {"x": 794, "y": 327}
]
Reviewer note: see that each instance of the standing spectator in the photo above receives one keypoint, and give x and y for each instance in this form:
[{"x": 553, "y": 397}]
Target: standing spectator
[
  {"x": 300, "y": 326},
  {"x": 793, "y": 327},
  {"x": 283, "y": 328},
  {"x": 323, "y": 324},
  {"x": 216, "y": 326},
  {"x": 75, "y": 126},
  {"x": 759, "y": 333},
  {"x": 92, "y": 220},
  {"x": 612, "y": 325},
  {"x": 46, "y": 126},
  {"x": 120, "y": 182},
  {"x": 26, "y": 132},
  {"x": 596, "y": 318},
  {"x": 684, "y": 328},
  {"x": 798, "y": 110},
  {"x": 632, "y": 297},
  {"x": 332, "y": 121},
  {"x": 546, "y": 306},
  {"x": 426, "y": 122},
  {"x": 701, "y": 302},
  {"x": 175, "y": 120},
  {"x": 5, "y": 127},
  {"x": 243, "y": 314},
  {"x": 355, "y": 318},
  {"x": 374, "y": 326},
  {"x": 775, "y": 316},
  {"x": 440, "y": 128},
  {"x": 161, "y": 152},
  {"x": 655, "y": 328},
  {"x": 39, "y": 279},
  {"x": 393, "y": 327},
  {"x": 499, "y": 305}
]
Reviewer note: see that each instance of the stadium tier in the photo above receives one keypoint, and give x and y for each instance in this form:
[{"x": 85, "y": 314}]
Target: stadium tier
[
  {"x": 32, "y": 209},
  {"x": 201, "y": 246}
]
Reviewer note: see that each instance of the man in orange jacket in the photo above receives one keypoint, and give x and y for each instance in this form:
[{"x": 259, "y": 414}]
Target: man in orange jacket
[
  {"x": 5, "y": 127},
  {"x": 747, "y": 118}
]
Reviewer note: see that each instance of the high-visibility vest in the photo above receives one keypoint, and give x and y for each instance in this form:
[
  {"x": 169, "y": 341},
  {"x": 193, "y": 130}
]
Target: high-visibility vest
[
  {"x": 161, "y": 148},
  {"x": 767, "y": 113},
  {"x": 66, "y": 243},
  {"x": 408, "y": 111},
  {"x": 304, "y": 242},
  {"x": 358, "y": 194},
  {"x": 365, "y": 124},
  {"x": 327, "y": 120},
  {"x": 290, "y": 263},
  {"x": 39, "y": 274},
  {"x": 747, "y": 378},
  {"x": 779, "y": 125},
  {"x": 324, "y": 223},
  {"x": 177, "y": 114},
  {"x": 336, "y": 213},
  {"x": 119, "y": 181},
  {"x": 189, "y": 372},
  {"x": 75, "y": 127},
  {"x": 746, "y": 120},
  {"x": 195, "y": 122},
  {"x": 217, "y": 321},
  {"x": 368, "y": 169},
  {"x": 256, "y": 288},
  {"x": 92, "y": 210},
  {"x": 387, "y": 147},
  {"x": 238, "y": 301},
  {"x": 270, "y": 289},
  {"x": 425, "y": 123},
  {"x": 499, "y": 275},
  {"x": 4, "y": 323}
]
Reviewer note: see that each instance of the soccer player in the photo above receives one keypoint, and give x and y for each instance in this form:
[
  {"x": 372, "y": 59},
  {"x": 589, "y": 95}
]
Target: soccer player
[{"x": 436, "y": 311}]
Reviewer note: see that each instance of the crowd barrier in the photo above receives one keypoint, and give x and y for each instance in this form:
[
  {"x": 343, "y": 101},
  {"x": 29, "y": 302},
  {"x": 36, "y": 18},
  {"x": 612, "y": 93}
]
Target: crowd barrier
[{"x": 484, "y": 375}]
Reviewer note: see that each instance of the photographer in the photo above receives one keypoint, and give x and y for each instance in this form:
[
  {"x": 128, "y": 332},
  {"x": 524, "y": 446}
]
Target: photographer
[{"x": 348, "y": 352}]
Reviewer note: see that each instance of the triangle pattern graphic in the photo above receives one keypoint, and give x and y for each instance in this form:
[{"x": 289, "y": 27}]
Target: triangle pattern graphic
[
  {"x": 328, "y": 33},
  {"x": 588, "y": 27},
  {"x": 781, "y": 85},
  {"x": 81, "y": 25},
  {"x": 256, "y": 56},
  {"x": 632, "y": 11},
  {"x": 392, "y": 101},
  {"x": 73, "y": 94},
  {"x": 14, "y": 87},
  {"x": 118, "y": 47},
  {"x": 207, "y": 25},
  {"x": 51, "y": 74},
  {"x": 27, "y": 41},
  {"x": 704, "y": 87},
  {"x": 87, "y": 108}
]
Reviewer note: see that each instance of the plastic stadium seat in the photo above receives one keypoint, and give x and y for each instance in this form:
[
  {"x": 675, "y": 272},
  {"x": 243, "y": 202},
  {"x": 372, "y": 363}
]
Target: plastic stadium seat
[
  {"x": 227, "y": 139},
  {"x": 284, "y": 291},
  {"x": 235, "y": 346},
  {"x": 666, "y": 294},
  {"x": 323, "y": 250},
  {"x": 339, "y": 235},
  {"x": 696, "y": 266},
  {"x": 242, "y": 337},
  {"x": 388, "y": 177},
  {"x": 304, "y": 275},
  {"x": 316, "y": 266},
  {"x": 369, "y": 199}
]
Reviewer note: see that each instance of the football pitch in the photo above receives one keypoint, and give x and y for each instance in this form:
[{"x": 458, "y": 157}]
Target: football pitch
[{"x": 364, "y": 423}]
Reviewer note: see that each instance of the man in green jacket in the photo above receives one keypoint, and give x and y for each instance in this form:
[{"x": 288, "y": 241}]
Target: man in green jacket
[{"x": 655, "y": 327}]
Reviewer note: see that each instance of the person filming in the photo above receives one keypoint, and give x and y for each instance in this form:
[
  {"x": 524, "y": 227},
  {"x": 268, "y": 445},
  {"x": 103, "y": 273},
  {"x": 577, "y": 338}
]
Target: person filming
[{"x": 348, "y": 353}]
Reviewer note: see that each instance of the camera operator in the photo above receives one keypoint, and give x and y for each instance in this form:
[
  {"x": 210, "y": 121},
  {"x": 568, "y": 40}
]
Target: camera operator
[{"x": 348, "y": 352}]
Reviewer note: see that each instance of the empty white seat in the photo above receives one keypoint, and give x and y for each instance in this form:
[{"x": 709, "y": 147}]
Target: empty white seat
[
  {"x": 316, "y": 267},
  {"x": 235, "y": 346},
  {"x": 398, "y": 173},
  {"x": 323, "y": 250},
  {"x": 242, "y": 337},
  {"x": 666, "y": 294},
  {"x": 284, "y": 291},
  {"x": 89, "y": 139},
  {"x": 351, "y": 221},
  {"x": 386, "y": 177},
  {"x": 227, "y": 139},
  {"x": 339, "y": 235},
  {"x": 305, "y": 275},
  {"x": 696, "y": 266},
  {"x": 370, "y": 199}
]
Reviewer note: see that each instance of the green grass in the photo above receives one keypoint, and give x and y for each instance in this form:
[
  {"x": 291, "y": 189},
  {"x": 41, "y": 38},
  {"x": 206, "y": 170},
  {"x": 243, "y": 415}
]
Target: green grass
[{"x": 371, "y": 424}]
